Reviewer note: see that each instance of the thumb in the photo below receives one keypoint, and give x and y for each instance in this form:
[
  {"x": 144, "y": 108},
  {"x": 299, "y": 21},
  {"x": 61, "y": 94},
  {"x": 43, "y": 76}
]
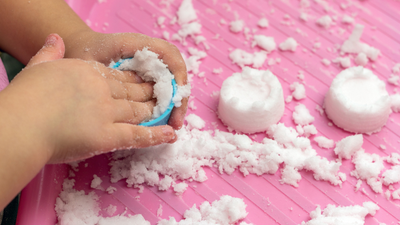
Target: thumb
[{"x": 52, "y": 49}]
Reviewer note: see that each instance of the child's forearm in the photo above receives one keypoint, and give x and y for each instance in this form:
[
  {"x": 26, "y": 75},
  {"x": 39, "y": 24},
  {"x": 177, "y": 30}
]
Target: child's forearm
[{"x": 26, "y": 23}]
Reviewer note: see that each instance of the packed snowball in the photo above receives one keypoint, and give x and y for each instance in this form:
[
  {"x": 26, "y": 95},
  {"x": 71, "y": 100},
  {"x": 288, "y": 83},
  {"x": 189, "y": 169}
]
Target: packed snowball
[
  {"x": 251, "y": 101},
  {"x": 357, "y": 101}
]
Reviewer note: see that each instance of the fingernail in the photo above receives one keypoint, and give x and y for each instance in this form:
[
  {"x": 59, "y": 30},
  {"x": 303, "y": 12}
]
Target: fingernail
[
  {"x": 167, "y": 130},
  {"x": 51, "y": 40}
]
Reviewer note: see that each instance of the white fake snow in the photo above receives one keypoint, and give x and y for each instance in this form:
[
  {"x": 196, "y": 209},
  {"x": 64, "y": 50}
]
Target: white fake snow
[
  {"x": 346, "y": 147},
  {"x": 186, "y": 12},
  {"x": 290, "y": 44},
  {"x": 195, "y": 121},
  {"x": 339, "y": 215},
  {"x": 243, "y": 58},
  {"x": 251, "y": 101},
  {"x": 395, "y": 102},
  {"x": 354, "y": 45},
  {"x": 267, "y": 43},
  {"x": 368, "y": 167},
  {"x": 301, "y": 115},
  {"x": 347, "y": 19},
  {"x": 299, "y": 91},
  {"x": 76, "y": 207},
  {"x": 357, "y": 101},
  {"x": 394, "y": 79},
  {"x": 326, "y": 62},
  {"x": 263, "y": 23},
  {"x": 325, "y": 21},
  {"x": 96, "y": 182},
  {"x": 236, "y": 26},
  {"x": 324, "y": 142},
  {"x": 147, "y": 65}
]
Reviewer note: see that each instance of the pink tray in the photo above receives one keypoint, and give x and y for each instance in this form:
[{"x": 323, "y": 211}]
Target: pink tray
[{"x": 268, "y": 201}]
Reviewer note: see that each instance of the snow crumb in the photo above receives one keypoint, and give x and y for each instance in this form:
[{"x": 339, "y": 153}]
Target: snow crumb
[
  {"x": 182, "y": 92},
  {"x": 391, "y": 176},
  {"x": 186, "y": 12},
  {"x": 393, "y": 158},
  {"x": 394, "y": 79},
  {"x": 325, "y": 21},
  {"x": 347, "y": 19},
  {"x": 159, "y": 211},
  {"x": 226, "y": 210},
  {"x": 243, "y": 58},
  {"x": 236, "y": 26},
  {"x": 263, "y": 23},
  {"x": 326, "y": 62},
  {"x": 180, "y": 188},
  {"x": 354, "y": 45},
  {"x": 195, "y": 121},
  {"x": 111, "y": 209},
  {"x": 303, "y": 16},
  {"x": 358, "y": 185},
  {"x": 290, "y": 44},
  {"x": 396, "y": 68},
  {"x": 343, "y": 61},
  {"x": 346, "y": 147},
  {"x": 267, "y": 43},
  {"x": 301, "y": 115},
  {"x": 368, "y": 167},
  {"x": 166, "y": 35},
  {"x": 310, "y": 130},
  {"x": 395, "y": 102},
  {"x": 111, "y": 189},
  {"x": 324, "y": 142},
  {"x": 299, "y": 91},
  {"x": 218, "y": 71},
  {"x": 396, "y": 194},
  {"x": 361, "y": 59},
  {"x": 160, "y": 20},
  {"x": 96, "y": 182},
  {"x": 338, "y": 215}
]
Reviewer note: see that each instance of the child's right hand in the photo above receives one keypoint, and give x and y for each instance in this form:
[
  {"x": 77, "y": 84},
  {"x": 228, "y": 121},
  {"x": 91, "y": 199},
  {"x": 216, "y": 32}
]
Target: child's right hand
[{"x": 75, "y": 109}]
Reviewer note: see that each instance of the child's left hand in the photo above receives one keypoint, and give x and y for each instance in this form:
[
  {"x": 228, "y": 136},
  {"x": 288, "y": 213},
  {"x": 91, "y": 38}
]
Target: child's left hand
[{"x": 104, "y": 48}]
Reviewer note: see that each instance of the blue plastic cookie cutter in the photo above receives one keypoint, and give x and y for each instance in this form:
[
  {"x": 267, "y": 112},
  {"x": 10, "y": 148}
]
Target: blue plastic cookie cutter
[{"x": 163, "y": 119}]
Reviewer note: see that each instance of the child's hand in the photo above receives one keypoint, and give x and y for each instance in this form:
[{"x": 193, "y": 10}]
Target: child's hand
[
  {"x": 77, "y": 109},
  {"x": 103, "y": 48}
]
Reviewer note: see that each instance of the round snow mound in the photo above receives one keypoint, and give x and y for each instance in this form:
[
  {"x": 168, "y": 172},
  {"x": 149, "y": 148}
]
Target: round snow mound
[
  {"x": 251, "y": 101},
  {"x": 357, "y": 101}
]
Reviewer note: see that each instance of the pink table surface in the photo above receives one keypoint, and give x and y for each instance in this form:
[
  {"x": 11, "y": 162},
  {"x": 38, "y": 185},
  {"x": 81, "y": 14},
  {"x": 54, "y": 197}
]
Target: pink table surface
[
  {"x": 3, "y": 76},
  {"x": 268, "y": 202}
]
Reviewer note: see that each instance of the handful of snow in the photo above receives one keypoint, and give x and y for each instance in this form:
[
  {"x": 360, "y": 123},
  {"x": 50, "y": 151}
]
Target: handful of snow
[
  {"x": 357, "y": 101},
  {"x": 150, "y": 68},
  {"x": 251, "y": 101}
]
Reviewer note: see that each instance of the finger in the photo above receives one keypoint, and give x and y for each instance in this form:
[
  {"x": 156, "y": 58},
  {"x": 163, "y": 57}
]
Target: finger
[
  {"x": 130, "y": 91},
  {"x": 114, "y": 74},
  {"x": 125, "y": 45},
  {"x": 52, "y": 49},
  {"x": 133, "y": 112},
  {"x": 128, "y": 136},
  {"x": 178, "y": 115}
]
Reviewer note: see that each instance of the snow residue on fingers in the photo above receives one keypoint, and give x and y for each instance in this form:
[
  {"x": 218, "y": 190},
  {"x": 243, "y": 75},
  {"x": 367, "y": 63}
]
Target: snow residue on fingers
[
  {"x": 150, "y": 68},
  {"x": 339, "y": 215},
  {"x": 357, "y": 101},
  {"x": 251, "y": 101}
]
